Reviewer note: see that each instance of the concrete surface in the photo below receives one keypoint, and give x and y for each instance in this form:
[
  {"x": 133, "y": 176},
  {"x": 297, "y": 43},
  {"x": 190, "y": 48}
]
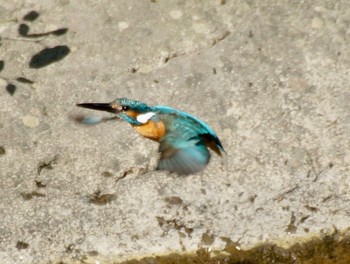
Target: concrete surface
[{"x": 270, "y": 77}]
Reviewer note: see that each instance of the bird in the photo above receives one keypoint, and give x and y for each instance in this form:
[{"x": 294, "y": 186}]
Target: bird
[{"x": 183, "y": 139}]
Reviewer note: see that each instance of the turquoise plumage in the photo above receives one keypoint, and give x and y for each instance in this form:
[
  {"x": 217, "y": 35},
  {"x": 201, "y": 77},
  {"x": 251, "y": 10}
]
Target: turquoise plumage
[{"x": 183, "y": 138}]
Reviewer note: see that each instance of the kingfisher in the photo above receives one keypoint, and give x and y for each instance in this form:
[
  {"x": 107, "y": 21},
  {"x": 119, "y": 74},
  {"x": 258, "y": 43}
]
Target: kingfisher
[{"x": 183, "y": 139}]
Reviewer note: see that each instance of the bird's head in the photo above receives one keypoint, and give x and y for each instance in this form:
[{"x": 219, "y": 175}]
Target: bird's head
[{"x": 128, "y": 110}]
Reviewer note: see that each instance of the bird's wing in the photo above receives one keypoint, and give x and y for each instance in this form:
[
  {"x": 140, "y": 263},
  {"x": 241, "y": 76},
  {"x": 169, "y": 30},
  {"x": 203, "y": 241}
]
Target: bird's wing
[
  {"x": 184, "y": 160},
  {"x": 202, "y": 128},
  {"x": 182, "y": 149}
]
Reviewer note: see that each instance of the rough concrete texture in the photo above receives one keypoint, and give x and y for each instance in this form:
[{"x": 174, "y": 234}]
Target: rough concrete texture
[{"x": 270, "y": 77}]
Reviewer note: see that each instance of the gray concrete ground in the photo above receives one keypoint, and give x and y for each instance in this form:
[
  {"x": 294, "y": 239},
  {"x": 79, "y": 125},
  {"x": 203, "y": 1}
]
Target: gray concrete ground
[{"x": 270, "y": 77}]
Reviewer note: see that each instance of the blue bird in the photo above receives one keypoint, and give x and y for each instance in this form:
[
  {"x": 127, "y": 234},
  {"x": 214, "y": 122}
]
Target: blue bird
[{"x": 184, "y": 139}]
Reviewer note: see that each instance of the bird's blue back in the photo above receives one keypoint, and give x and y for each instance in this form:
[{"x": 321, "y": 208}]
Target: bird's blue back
[
  {"x": 184, "y": 147},
  {"x": 187, "y": 123}
]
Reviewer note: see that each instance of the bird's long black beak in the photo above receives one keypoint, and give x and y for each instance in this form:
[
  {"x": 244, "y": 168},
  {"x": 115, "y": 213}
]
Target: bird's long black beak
[{"x": 99, "y": 107}]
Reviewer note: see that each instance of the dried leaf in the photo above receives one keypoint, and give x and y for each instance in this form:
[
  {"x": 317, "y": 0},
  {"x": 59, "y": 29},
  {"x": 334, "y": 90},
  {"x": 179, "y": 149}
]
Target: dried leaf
[
  {"x": 48, "y": 55},
  {"x": 59, "y": 32},
  {"x": 23, "y": 30},
  {"x": 31, "y": 16},
  {"x": 11, "y": 88},
  {"x": 24, "y": 80}
]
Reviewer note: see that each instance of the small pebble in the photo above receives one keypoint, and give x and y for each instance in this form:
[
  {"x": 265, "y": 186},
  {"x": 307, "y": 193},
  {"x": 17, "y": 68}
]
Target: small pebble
[
  {"x": 30, "y": 121},
  {"x": 122, "y": 26},
  {"x": 317, "y": 23},
  {"x": 176, "y": 14}
]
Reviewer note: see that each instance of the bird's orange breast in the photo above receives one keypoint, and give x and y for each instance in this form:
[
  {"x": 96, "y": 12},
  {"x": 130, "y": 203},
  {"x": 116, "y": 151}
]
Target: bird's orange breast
[{"x": 152, "y": 130}]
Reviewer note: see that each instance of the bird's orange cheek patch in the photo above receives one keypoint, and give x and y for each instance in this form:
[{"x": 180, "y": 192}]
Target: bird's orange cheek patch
[{"x": 132, "y": 113}]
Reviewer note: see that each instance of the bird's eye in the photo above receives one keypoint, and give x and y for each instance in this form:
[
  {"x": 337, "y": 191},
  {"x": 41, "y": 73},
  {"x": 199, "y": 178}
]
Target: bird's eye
[{"x": 125, "y": 108}]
